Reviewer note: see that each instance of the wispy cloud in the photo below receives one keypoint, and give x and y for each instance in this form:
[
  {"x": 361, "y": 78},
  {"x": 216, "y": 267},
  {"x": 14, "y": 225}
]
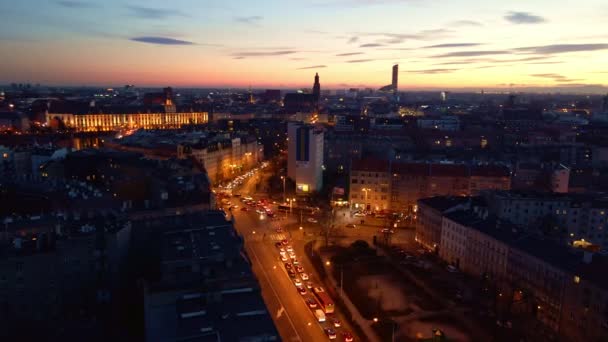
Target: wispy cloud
[
  {"x": 349, "y": 54},
  {"x": 76, "y": 4},
  {"x": 466, "y": 23},
  {"x": 313, "y": 67},
  {"x": 353, "y": 40},
  {"x": 264, "y": 53},
  {"x": 250, "y": 20},
  {"x": 160, "y": 40},
  {"x": 562, "y": 48},
  {"x": 397, "y": 38},
  {"x": 451, "y": 45},
  {"x": 153, "y": 13},
  {"x": 359, "y": 60},
  {"x": 471, "y": 53},
  {"x": 431, "y": 71},
  {"x": 556, "y": 77},
  {"x": 523, "y": 18},
  {"x": 357, "y": 3},
  {"x": 370, "y": 45}
]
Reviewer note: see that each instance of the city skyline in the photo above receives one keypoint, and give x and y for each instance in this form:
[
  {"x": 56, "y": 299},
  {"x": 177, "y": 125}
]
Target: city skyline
[{"x": 350, "y": 43}]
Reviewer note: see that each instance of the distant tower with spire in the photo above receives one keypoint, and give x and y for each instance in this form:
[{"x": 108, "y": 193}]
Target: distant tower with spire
[{"x": 316, "y": 89}]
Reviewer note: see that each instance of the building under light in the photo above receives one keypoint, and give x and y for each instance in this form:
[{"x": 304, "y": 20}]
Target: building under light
[
  {"x": 305, "y": 157},
  {"x": 87, "y": 117}
]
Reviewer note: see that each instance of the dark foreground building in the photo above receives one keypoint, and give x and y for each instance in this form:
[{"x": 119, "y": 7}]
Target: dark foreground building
[{"x": 206, "y": 290}]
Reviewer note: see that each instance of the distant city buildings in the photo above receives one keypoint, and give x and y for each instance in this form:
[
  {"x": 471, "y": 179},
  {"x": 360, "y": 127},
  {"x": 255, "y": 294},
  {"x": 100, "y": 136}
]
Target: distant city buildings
[{"x": 305, "y": 157}]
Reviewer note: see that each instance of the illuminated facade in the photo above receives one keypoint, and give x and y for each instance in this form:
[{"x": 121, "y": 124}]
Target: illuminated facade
[
  {"x": 87, "y": 122},
  {"x": 225, "y": 159},
  {"x": 378, "y": 185}
]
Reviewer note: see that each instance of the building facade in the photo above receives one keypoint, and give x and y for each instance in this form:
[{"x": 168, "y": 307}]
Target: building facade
[
  {"x": 305, "y": 157},
  {"x": 573, "y": 217},
  {"x": 225, "y": 159},
  {"x": 397, "y": 186},
  {"x": 552, "y": 289},
  {"x": 83, "y": 117}
]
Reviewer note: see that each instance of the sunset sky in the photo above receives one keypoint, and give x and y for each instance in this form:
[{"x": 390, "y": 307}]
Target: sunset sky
[{"x": 271, "y": 43}]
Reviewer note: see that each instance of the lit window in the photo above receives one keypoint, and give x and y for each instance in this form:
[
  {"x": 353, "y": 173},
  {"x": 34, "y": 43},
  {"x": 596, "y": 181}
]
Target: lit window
[
  {"x": 5, "y": 155},
  {"x": 577, "y": 279}
]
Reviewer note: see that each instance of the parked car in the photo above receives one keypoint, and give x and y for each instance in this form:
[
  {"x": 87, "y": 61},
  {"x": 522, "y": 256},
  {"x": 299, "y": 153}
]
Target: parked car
[{"x": 350, "y": 225}]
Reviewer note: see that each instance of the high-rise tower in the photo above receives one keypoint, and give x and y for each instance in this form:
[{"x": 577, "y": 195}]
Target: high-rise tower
[
  {"x": 316, "y": 88},
  {"x": 395, "y": 81}
]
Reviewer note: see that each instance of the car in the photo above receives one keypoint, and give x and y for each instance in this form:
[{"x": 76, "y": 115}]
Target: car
[
  {"x": 304, "y": 276},
  {"x": 234, "y": 207},
  {"x": 292, "y": 255},
  {"x": 386, "y": 231},
  {"x": 320, "y": 315},
  {"x": 285, "y": 242},
  {"x": 269, "y": 214},
  {"x": 289, "y": 249},
  {"x": 296, "y": 262},
  {"x": 309, "y": 284},
  {"x": 301, "y": 290},
  {"x": 281, "y": 249},
  {"x": 336, "y": 322},
  {"x": 279, "y": 230},
  {"x": 452, "y": 269},
  {"x": 288, "y": 266},
  {"x": 311, "y": 303},
  {"x": 350, "y": 225},
  {"x": 299, "y": 269},
  {"x": 312, "y": 220},
  {"x": 331, "y": 333},
  {"x": 291, "y": 273},
  {"x": 244, "y": 209},
  {"x": 297, "y": 281},
  {"x": 359, "y": 214},
  {"x": 284, "y": 257},
  {"x": 348, "y": 337}
]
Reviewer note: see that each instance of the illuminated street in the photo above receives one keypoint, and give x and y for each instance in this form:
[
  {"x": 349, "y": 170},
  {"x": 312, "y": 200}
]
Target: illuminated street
[{"x": 294, "y": 320}]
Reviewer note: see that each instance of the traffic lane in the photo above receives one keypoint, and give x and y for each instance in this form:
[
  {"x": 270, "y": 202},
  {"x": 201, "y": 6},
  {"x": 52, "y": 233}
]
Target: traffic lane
[
  {"x": 294, "y": 304},
  {"x": 283, "y": 322},
  {"x": 265, "y": 254},
  {"x": 299, "y": 248}
]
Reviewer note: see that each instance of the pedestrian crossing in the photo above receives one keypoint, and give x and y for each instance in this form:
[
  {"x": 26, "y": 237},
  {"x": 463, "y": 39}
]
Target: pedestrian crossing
[
  {"x": 277, "y": 236},
  {"x": 267, "y": 237}
]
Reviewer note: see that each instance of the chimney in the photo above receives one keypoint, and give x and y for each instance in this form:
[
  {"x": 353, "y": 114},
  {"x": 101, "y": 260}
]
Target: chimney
[{"x": 587, "y": 257}]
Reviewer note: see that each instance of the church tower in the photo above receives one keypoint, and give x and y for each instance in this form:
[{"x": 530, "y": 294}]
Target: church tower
[{"x": 316, "y": 89}]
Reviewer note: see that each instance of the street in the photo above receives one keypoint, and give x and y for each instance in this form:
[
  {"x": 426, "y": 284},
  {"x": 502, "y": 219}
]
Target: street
[{"x": 295, "y": 321}]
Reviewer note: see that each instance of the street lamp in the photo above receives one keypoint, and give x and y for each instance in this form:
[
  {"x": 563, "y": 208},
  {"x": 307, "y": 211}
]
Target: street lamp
[{"x": 283, "y": 179}]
